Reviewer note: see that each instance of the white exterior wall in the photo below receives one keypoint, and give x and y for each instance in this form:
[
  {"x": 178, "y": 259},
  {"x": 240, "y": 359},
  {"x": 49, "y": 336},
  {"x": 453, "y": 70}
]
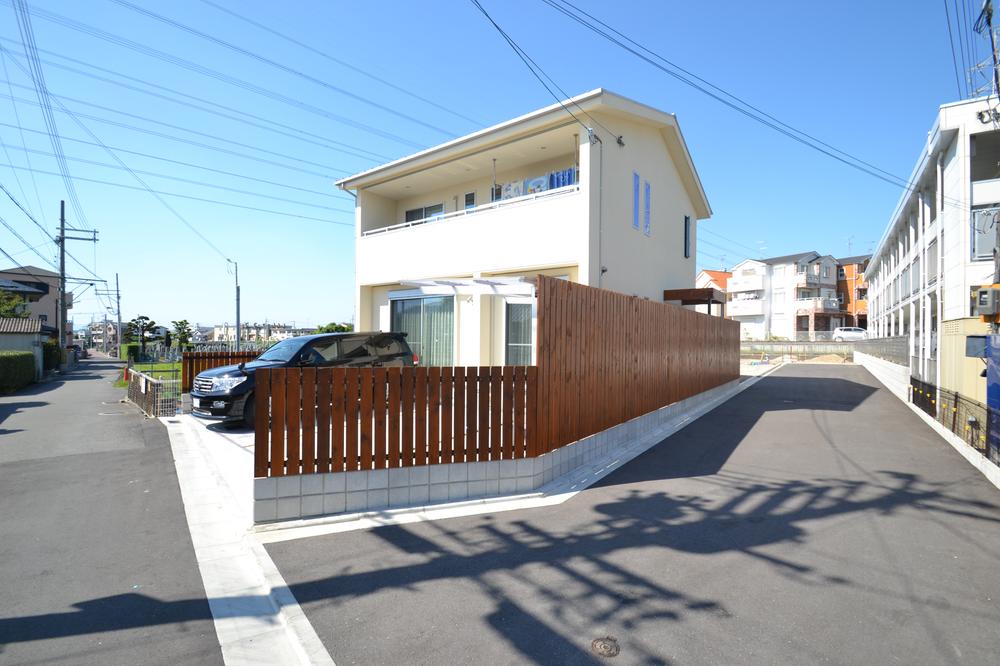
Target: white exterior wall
[{"x": 638, "y": 264}]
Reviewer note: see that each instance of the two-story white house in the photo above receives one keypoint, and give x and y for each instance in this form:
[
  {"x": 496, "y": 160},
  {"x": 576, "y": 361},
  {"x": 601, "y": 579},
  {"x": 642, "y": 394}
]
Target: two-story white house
[
  {"x": 448, "y": 239},
  {"x": 792, "y": 297}
]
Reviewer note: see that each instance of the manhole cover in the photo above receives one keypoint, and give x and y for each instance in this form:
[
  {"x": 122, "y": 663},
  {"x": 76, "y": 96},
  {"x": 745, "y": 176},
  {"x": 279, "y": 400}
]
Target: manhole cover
[{"x": 605, "y": 647}]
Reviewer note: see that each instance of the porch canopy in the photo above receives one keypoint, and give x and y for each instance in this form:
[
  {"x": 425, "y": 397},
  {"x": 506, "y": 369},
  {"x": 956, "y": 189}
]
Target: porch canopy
[
  {"x": 704, "y": 296},
  {"x": 499, "y": 286}
]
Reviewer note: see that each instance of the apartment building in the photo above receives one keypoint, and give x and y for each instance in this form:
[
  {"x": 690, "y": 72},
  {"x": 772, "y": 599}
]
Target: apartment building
[
  {"x": 448, "y": 239},
  {"x": 792, "y": 297},
  {"x": 852, "y": 290},
  {"x": 937, "y": 248}
]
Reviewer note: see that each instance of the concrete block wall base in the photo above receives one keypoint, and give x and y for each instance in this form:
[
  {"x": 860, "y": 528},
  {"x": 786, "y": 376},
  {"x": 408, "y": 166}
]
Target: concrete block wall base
[
  {"x": 315, "y": 495},
  {"x": 893, "y": 376}
]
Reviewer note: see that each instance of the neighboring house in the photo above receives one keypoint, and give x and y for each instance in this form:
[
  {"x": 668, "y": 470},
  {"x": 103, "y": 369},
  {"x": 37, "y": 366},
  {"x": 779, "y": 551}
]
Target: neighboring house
[
  {"x": 937, "y": 248},
  {"x": 792, "y": 297},
  {"x": 448, "y": 239},
  {"x": 101, "y": 331},
  {"x": 707, "y": 279},
  {"x": 23, "y": 334},
  {"x": 852, "y": 289},
  {"x": 43, "y": 299}
]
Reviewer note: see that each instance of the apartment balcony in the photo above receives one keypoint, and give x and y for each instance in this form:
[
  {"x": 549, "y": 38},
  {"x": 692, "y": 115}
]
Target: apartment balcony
[
  {"x": 739, "y": 283},
  {"x": 821, "y": 305},
  {"x": 745, "y": 307}
]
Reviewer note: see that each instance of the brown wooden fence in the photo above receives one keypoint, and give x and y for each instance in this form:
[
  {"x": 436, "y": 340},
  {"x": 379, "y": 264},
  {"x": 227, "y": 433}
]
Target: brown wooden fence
[
  {"x": 311, "y": 420},
  {"x": 194, "y": 362},
  {"x": 605, "y": 358}
]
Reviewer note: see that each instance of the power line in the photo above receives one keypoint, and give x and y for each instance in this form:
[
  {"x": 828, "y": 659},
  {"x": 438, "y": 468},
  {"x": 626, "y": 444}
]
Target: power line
[
  {"x": 198, "y": 144},
  {"x": 750, "y": 111},
  {"x": 951, "y": 40},
  {"x": 190, "y": 197},
  {"x": 277, "y": 65},
  {"x": 186, "y": 164},
  {"x": 196, "y": 182},
  {"x": 342, "y": 63},
  {"x": 211, "y": 73},
  {"x": 233, "y": 113},
  {"x": 17, "y": 119},
  {"x": 19, "y": 237},
  {"x": 961, "y": 46},
  {"x": 37, "y": 75},
  {"x": 538, "y": 72}
]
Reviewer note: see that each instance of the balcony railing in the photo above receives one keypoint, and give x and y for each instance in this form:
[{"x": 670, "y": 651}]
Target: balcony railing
[
  {"x": 817, "y": 304},
  {"x": 745, "y": 307},
  {"x": 493, "y": 205}
]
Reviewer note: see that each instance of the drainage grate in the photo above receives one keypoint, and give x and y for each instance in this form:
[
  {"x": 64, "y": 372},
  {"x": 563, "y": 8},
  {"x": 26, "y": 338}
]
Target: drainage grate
[{"x": 605, "y": 647}]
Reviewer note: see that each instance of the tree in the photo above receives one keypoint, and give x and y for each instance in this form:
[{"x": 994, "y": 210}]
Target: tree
[
  {"x": 334, "y": 327},
  {"x": 140, "y": 327},
  {"x": 12, "y": 305},
  {"x": 183, "y": 332}
]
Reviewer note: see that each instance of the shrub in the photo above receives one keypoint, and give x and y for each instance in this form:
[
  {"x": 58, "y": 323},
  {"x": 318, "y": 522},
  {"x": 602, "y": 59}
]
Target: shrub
[
  {"x": 52, "y": 356},
  {"x": 17, "y": 369}
]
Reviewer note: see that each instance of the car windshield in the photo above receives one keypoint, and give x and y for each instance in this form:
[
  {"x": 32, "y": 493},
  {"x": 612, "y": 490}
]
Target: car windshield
[{"x": 283, "y": 351}]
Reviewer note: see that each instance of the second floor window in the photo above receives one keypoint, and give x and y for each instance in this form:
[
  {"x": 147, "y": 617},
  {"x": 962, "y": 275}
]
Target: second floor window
[
  {"x": 415, "y": 214},
  {"x": 470, "y": 200}
]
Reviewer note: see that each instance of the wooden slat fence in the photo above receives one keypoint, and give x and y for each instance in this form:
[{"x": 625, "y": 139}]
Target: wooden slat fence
[
  {"x": 313, "y": 420},
  {"x": 605, "y": 358},
  {"x": 194, "y": 362}
]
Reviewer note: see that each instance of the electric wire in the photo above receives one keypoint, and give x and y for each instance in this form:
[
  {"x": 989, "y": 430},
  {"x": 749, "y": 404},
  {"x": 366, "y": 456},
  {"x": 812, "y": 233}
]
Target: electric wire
[
  {"x": 37, "y": 75},
  {"x": 332, "y": 195},
  {"x": 17, "y": 120},
  {"x": 951, "y": 40},
  {"x": 196, "y": 182},
  {"x": 211, "y": 73},
  {"x": 763, "y": 118},
  {"x": 962, "y": 42},
  {"x": 277, "y": 65},
  {"x": 19, "y": 237},
  {"x": 354, "y": 68}
]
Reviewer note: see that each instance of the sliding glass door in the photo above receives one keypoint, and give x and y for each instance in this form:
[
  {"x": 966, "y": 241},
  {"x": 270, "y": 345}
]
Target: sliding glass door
[{"x": 429, "y": 324}]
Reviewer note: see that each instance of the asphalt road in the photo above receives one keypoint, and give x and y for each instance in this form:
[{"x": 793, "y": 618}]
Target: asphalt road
[
  {"x": 96, "y": 563},
  {"x": 812, "y": 519}
]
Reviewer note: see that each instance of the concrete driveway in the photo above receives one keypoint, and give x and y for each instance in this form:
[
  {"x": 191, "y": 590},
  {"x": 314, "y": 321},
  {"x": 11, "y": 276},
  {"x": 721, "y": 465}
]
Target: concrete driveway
[{"x": 812, "y": 518}]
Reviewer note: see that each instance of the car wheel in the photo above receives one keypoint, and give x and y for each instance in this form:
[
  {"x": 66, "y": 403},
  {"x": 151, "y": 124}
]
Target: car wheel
[{"x": 249, "y": 411}]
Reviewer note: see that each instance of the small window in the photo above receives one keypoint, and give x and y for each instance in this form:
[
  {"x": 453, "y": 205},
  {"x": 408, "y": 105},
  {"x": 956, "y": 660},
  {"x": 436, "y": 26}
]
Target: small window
[
  {"x": 635, "y": 200},
  {"x": 470, "y": 200},
  {"x": 826, "y": 271},
  {"x": 687, "y": 236},
  {"x": 841, "y": 273},
  {"x": 645, "y": 209},
  {"x": 518, "y": 334}
]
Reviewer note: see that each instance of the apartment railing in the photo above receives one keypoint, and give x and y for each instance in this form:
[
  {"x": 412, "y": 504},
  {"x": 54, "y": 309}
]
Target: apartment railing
[
  {"x": 819, "y": 304},
  {"x": 895, "y": 349},
  {"x": 494, "y": 205}
]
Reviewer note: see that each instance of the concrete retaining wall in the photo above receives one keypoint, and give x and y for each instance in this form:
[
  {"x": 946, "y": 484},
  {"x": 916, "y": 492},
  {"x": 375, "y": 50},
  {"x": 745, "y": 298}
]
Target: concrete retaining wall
[
  {"x": 894, "y": 377},
  {"x": 314, "y": 495}
]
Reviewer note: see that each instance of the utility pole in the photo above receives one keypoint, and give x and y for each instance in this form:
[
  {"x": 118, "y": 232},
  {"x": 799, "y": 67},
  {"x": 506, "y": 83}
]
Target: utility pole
[
  {"x": 118, "y": 310},
  {"x": 236, "y": 266},
  {"x": 61, "y": 242}
]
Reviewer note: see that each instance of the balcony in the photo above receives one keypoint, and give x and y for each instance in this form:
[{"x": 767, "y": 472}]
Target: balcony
[
  {"x": 746, "y": 307},
  {"x": 807, "y": 305},
  {"x": 739, "y": 283}
]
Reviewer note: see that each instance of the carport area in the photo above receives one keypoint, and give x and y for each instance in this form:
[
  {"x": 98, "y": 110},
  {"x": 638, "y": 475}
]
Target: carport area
[{"x": 811, "y": 518}]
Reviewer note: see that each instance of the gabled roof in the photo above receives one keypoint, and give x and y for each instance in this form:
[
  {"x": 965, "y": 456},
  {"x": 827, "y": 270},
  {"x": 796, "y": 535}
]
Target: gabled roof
[
  {"x": 793, "y": 258},
  {"x": 18, "y": 288},
  {"x": 719, "y": 277},
  {"x": 30, "y": 271},
  {"x": 858, "y": 259},
  {"x": 20, "y": 325},
  {"x": 542, "y": 120}
]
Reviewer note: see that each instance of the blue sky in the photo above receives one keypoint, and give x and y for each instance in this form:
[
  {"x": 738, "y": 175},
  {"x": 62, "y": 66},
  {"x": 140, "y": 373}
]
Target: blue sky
[{"x": 865, "y": 77}]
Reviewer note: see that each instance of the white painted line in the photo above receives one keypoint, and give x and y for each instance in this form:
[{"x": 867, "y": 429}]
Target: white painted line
[
  {"x": 556, "y": 492},
  {"x": 257, "y": 619}
]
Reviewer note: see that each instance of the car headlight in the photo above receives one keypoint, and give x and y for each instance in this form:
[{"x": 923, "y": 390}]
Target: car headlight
[{"x": 227, "y": 383}]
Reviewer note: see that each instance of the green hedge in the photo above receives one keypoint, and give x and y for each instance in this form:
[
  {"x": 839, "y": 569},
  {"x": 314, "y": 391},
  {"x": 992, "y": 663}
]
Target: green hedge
[
  {"x": 17, "y": 369},
  {"x": 52, "y": 356}
]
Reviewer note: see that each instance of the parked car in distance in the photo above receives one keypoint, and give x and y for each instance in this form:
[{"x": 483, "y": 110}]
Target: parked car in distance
[
  {"x": 226, "y": 393},
  {"x": 849, "y": 334}
]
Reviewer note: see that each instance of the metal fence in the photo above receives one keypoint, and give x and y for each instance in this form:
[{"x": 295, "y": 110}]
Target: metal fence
[
  {"x": 895, "y": 350},
  {"x": 776, "y": 352},
  {"x": 155, "y": 397},
  {"x": 965, "y": 417}
]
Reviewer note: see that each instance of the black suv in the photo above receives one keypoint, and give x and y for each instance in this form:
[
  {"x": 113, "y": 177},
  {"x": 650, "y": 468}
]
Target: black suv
[{"x": 226, "y": 393}]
